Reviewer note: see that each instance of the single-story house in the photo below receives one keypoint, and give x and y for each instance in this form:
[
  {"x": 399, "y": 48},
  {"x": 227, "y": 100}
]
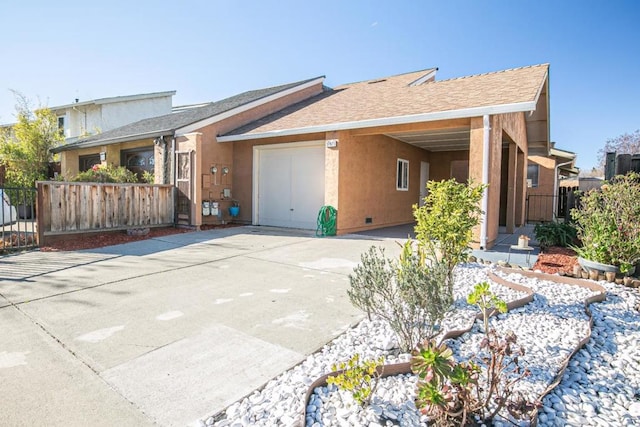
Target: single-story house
[{"x": 365, "y": 148}]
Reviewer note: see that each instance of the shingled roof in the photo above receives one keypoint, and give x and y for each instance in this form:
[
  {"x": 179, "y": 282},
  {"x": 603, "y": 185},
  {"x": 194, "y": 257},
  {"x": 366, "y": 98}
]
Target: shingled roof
[
  {"x": 401, "y": 99},
  {"x": 167, "y": 124}
]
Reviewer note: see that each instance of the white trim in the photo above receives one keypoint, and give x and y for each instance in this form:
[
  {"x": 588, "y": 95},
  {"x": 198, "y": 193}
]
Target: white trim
[
  {"x": 429, "y": 75},
  {"x": 245, "y": 107},
  {"x": 404, "y": 162},
  {"x": 386, "y": 121},
  {"x": 255, "y": 191}
]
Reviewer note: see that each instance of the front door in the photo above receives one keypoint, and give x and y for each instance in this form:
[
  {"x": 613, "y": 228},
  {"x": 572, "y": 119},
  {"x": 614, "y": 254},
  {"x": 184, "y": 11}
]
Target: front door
[{"x": 183, "y": 187}]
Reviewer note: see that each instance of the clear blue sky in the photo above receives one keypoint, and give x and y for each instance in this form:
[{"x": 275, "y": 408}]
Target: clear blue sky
[{"x": 54, "y": 52}]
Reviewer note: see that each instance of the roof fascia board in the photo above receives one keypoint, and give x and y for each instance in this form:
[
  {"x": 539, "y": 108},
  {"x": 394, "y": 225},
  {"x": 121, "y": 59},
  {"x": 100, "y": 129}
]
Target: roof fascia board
[
  {"x": 218, "y": 117},
  {"x": 115, "y": 140},
  {"x": 414, "y": 118},
  {"x": 135, "y": 97},
  {"x": 114, "y": 99}
]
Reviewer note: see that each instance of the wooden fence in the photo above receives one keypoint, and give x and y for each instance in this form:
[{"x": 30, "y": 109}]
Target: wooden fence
[{"x": 72, "y": 207}]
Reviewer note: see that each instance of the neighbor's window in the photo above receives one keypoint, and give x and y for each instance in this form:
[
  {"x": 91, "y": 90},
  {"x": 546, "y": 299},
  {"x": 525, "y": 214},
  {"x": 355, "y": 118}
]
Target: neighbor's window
[
  {"x": 87, "y": 162},
  {"x": 532, "y": 175},
  {"x": 61, "y": 125},
  {"x": 402, "y": 175}
]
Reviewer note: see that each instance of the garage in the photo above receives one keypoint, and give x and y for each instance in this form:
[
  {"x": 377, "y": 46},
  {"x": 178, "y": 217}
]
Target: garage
[{"x": 290, "y": 184}]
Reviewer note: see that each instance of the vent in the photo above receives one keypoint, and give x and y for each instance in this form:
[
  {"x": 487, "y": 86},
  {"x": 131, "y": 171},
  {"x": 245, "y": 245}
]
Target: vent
[
  {"x": 368, "y": 220},
  {"x": 377, "y": 81}
]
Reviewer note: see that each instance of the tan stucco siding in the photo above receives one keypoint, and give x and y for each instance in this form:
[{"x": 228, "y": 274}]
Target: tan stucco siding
[
  {"x": 243, "y": 168},
  {"x": 440, "y": 163},
  {"x": 367, "y": 182},
  {"x": 210, "y": 153}
]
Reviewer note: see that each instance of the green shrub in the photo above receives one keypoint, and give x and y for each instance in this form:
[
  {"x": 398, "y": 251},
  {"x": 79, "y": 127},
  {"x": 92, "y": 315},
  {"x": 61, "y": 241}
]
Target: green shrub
[
  {"x": 148, "y": 177},
  {"x": 444, "y": 225},
  {"x": 107, "y": 173},
  {"x": 359, "y": 378},
  {"x": 555, "y": 234},
  {"x": 607, "y": 222},
  {"x": 407, "y": 294}
]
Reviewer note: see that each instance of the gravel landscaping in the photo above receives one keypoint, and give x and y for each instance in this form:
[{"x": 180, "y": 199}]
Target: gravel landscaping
[{"x": 601, "y": 385}]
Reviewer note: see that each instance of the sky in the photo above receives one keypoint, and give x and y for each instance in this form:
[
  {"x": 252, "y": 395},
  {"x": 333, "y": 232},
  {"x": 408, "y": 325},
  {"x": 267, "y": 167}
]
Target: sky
[{"x": 54, "y": 52}]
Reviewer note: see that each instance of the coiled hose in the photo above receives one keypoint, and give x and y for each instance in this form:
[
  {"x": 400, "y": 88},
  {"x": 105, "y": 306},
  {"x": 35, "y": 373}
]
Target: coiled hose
[{"x": 327, "y": 221}]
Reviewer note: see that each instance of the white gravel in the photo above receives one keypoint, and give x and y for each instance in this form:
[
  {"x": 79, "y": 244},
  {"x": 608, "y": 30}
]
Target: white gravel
[{"x": 600, "y": 387}]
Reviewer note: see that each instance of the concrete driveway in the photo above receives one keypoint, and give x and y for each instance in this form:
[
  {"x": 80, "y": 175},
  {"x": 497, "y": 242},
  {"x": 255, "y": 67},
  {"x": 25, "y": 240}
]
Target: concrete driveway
[{"x": 167, "y": 330}]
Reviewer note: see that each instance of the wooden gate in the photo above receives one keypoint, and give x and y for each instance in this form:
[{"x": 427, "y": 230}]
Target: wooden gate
[{"x": 184, "y": 174}]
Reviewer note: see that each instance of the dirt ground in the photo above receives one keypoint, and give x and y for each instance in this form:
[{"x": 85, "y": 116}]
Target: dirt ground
[
  {"x": 556, "y": 259},
  {"x": 118, "y": 237}
]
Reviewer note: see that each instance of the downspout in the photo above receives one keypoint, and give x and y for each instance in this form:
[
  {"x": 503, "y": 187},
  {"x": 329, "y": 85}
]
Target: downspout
[
  {"x": 485, "y": 181},
  {"x": 555, "y": 183}
]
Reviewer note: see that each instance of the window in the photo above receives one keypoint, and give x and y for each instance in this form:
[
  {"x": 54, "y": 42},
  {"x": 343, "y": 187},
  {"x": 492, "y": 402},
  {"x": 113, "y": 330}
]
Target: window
[
  {"x": 138, "y": 160},
  {"x": 61, "y": 125},
  {"x": 87, "y": 162},
  {"x": 532, "y": 175},
  {"x": 402, "y": 175}
]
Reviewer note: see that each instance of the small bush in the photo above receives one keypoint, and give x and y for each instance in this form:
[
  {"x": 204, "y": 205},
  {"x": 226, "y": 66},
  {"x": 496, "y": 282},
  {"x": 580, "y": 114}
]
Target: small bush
[
  {"x": 607, "y": 222},
  {"x": 359, "y": 378},
  {"x": 453, "y": 393},
  {"x": 555, "y": 234},
  {"x": 444, "y": 225},
  {"x": 148, "y": 177},
  {"x": 107, "y": 173},
  {"x": 408, "y": 295}
]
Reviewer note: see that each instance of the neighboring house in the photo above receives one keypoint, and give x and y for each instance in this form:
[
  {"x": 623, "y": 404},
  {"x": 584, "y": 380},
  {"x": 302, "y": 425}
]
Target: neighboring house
[
  {"x": 546, "y": 200},
  {"x": 366, "y": 148},
  {"x": 179, "y": 148},
  {"x": 83, "y": 118}
]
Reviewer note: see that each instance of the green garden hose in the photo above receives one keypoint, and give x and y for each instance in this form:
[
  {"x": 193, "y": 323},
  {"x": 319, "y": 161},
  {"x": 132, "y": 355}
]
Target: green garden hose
[{"x": 327, "y": 222}]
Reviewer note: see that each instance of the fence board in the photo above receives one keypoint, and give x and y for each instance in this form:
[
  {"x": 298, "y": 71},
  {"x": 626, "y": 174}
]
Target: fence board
[{"x": 78, "y": 206}]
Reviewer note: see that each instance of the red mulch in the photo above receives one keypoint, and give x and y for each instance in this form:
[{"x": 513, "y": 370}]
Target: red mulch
[
  {"x": 556, "y": 259},
  {"x": 100, "y": 240}
]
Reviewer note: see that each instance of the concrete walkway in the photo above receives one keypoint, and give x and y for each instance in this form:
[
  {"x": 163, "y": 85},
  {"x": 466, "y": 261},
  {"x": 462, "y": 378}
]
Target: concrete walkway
[{"x": 167, "y": 330}]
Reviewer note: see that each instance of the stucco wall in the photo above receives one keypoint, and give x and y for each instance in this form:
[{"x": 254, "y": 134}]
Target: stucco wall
[
  {"x": 514, "y": 126},
  {"x": 117, "y": 114},
  {"x": 367, "y": 182},
  {"x": 92, "y": 119},
  {"x": 239, "y": 179}
]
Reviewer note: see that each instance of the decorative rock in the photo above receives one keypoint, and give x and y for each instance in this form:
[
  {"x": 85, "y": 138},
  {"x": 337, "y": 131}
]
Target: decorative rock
[{"x": 602, "y": 374}]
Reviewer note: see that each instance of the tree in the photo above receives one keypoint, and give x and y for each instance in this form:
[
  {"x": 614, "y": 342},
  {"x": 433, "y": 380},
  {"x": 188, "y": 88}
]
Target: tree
[
  {"x": 627, "y": 143},
  {"x": 25, "y": 148}
]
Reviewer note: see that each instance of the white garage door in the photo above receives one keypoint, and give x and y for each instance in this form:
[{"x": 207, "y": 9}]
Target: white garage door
[{"x": 290, "y": 189}]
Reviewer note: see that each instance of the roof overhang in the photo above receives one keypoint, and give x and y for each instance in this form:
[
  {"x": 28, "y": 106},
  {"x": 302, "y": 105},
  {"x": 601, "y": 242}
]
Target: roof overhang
[
  {"x": 109, "y": 141},
  {"x": 387, "y": 121},
  {"x": 113, "y": 99}
]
